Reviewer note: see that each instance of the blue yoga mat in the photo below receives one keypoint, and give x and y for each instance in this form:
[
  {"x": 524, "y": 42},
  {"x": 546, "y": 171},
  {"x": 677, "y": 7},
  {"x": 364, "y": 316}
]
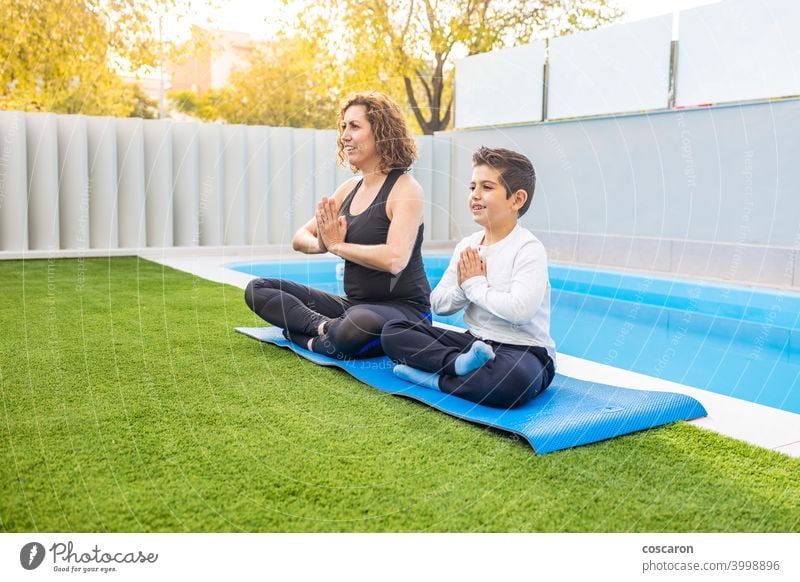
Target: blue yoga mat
[{"x": 569, "y": 413}]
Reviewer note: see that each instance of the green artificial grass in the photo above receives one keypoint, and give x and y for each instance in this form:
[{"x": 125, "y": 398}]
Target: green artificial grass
[{"x": 129, "y": 404}]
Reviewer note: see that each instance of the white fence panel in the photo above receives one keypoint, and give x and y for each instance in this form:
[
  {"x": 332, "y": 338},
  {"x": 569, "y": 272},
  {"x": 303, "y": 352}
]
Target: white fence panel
[
  {"x": 423, "y": 173},
  {"x": 440, "y": 189},
  {"x": 158, "y": 183},
  {"x": 211, "y": 185},
  {"x": 303, "y": 177},
  {"x": 738, "y": 50},
  {"x": 258, "y": 172},
  {"x": 102, "y": 161},
  {"x": 73, "y": 182},
  {"x": 235, "y": 184},
  {"x": 186, "y": 184},
  {"x": 13, "y": 182},
  {"x": 620, "y": 68},
  {"x": 280, "y": 186},
  {"x": 130, "y": 189},
  {"x": 325, "y": 173},
  {"x": 42, "y": 159},
  {"x": 500, "y": 87}
]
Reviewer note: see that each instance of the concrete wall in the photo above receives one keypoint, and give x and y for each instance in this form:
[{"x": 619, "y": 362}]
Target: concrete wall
[{"x": 703, "y": 192}]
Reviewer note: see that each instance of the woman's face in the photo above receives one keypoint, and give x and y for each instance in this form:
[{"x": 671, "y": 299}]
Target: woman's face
[{"x": 357, "y": 138}]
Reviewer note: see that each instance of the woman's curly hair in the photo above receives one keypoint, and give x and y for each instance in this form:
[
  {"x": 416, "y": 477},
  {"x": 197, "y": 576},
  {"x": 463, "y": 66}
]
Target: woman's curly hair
[{"x": 395, "y": 145}]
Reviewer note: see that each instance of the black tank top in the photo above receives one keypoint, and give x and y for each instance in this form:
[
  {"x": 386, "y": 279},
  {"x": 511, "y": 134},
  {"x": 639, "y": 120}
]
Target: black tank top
[{"x": 371, "y": 227}]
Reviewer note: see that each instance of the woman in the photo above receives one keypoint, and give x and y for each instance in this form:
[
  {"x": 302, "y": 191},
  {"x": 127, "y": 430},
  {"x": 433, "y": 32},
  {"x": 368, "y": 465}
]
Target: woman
[{"x": 375, "y": 223}]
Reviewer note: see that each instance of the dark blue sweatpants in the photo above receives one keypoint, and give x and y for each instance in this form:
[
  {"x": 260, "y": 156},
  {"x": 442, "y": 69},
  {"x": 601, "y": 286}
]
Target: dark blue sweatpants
[
  {"x": 513, "y": 377},
  {"x": 352, "y": 328}
]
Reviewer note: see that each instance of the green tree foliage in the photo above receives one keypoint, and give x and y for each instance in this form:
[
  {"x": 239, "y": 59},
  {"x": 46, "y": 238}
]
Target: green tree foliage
[
  {"x": 60, "y": 55},
  {"x": 283, "y": 84},
  {"x": 143, "y": 106},
  {"x": 205, "y": 108},
  {"x": 413, "y": 44},
  {"x": 185, "y": 101}
]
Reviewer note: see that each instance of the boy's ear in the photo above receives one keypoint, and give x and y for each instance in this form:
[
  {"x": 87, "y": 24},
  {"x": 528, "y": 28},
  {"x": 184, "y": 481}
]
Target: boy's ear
[{"x": 519, "y": 198}]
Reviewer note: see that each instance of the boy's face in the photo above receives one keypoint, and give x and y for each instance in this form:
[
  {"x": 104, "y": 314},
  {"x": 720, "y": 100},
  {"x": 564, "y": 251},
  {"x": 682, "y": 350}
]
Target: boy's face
[{"x": 488, "y": 201}]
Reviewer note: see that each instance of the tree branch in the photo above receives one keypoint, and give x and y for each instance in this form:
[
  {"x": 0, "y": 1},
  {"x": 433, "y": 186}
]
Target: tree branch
[
  {"x": 424, "y": 85},
  {"x": 412, "y": 99},
  {"x": 447, "y": 112}
]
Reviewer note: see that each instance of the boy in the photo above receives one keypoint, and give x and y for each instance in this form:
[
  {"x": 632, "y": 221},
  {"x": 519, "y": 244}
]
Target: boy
[{"x": 499, "y": 276}]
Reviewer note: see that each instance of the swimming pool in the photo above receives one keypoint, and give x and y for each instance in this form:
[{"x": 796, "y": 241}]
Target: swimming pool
[{"x": 736, "y": 341}]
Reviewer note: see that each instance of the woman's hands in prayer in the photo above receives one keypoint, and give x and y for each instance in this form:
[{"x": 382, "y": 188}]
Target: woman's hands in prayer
[{"x": 331, "y": 227}]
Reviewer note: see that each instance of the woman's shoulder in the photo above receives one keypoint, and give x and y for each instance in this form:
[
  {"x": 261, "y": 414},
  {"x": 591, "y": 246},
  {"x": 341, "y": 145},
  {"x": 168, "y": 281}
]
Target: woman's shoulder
[
  {"x": 346, "y": 187},
  {"x": 349, "y": 184},
  {"x": 406, "y": 186}
]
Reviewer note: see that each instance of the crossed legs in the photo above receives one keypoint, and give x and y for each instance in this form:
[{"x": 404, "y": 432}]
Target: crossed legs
[
  {"x": 323, "y": 322},
  {"x": 457, "y": 363}
]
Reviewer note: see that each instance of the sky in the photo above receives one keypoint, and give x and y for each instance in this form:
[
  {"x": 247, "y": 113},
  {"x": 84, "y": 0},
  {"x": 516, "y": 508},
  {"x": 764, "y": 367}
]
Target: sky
[
  {"x": 253, "y": 17},
  {"x": 638, "y": 9}
]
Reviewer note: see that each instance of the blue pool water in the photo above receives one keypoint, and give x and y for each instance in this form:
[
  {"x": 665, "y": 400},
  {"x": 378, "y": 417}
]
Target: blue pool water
[{"x": 736, "y": 341}]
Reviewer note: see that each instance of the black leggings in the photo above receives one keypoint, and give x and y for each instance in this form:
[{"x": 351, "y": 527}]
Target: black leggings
[
  {"x": 515, "y": 375},
  {"x": 352, "y": 328}
]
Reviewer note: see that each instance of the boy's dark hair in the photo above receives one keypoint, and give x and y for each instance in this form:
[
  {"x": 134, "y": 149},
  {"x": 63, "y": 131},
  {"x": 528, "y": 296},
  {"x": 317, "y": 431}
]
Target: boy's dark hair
[{"x": 516, "y": 171}]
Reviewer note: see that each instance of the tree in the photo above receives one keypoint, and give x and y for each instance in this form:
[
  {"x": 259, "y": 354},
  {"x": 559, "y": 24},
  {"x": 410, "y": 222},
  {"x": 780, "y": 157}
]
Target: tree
[
  {"x": 61, "y": 55},
  {"x": 205, "y": 108},
  {"x": 185, "y": 101},
  {"x": 143, "y": 106},
  {"x": 284, "y": 84},
  {"x": 417, "y": 41}
]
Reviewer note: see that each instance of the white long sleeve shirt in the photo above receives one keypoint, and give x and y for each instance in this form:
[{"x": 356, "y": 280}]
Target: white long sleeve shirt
[{"x": 511, "y": 304}]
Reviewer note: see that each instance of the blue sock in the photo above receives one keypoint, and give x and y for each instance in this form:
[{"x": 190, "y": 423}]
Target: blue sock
[
  {"x": 416, "y": 376},
  {"x": 479, "y": 353}
]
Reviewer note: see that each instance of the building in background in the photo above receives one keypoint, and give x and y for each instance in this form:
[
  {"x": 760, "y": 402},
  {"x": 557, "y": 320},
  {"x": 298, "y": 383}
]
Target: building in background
[
  {"x": 212, "y": 56},
  {"x": 149, "y": 84}
]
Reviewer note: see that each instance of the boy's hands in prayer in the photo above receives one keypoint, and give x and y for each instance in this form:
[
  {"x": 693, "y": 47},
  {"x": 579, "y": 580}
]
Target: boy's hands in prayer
[{"x": 470, "y": 265}]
